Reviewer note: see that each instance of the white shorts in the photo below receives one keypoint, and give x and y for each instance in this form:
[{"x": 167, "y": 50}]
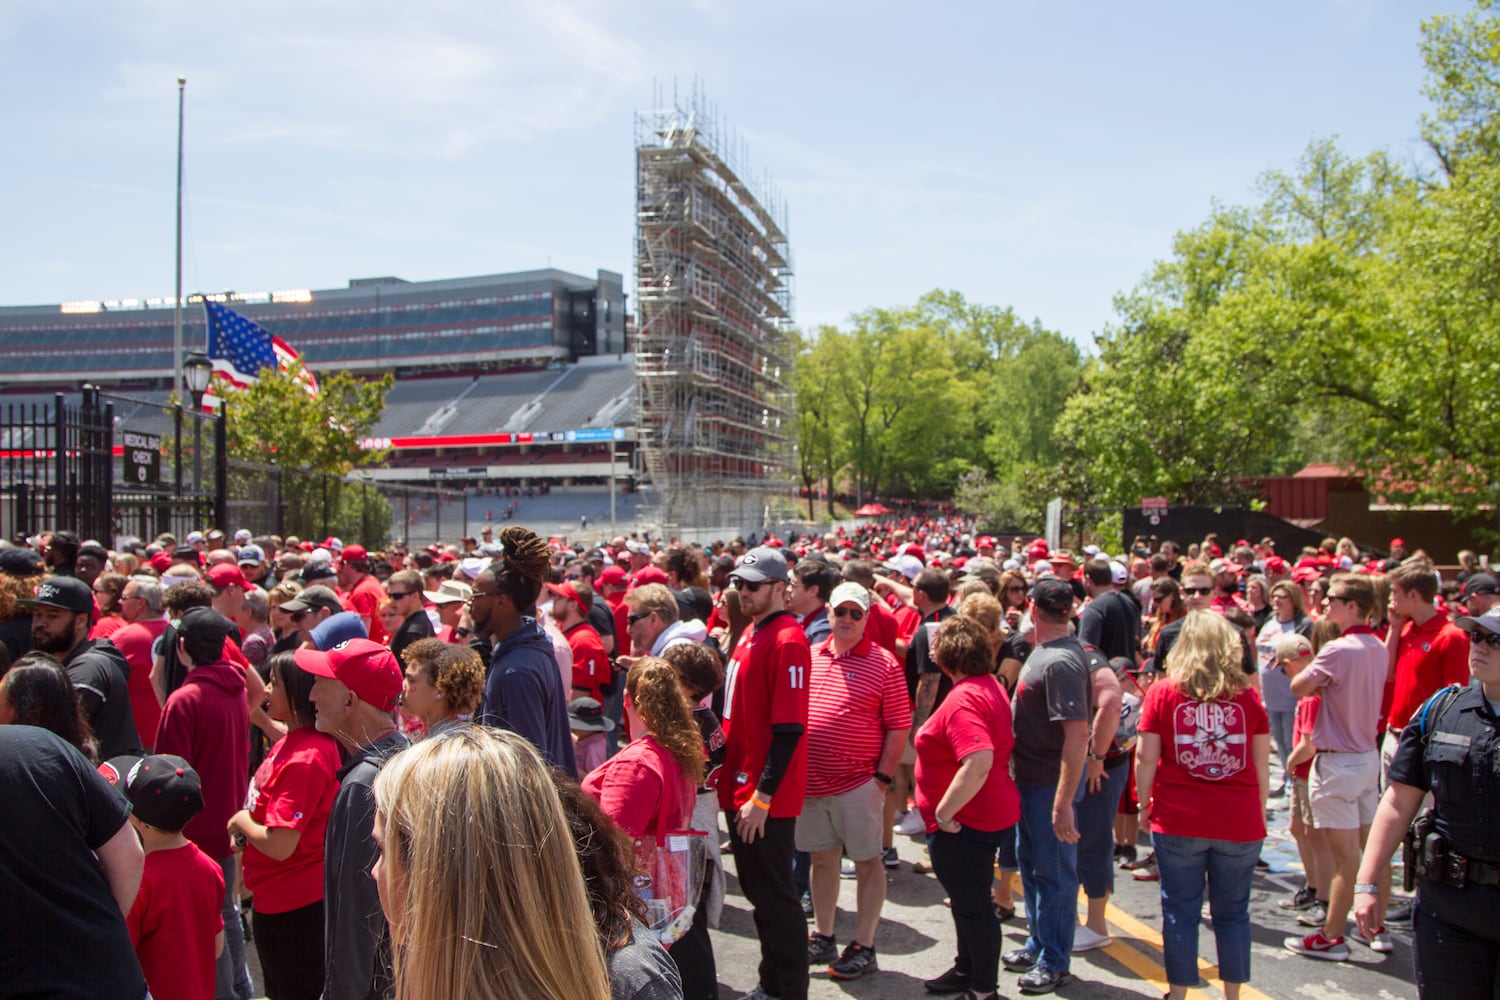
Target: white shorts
[{"x": 1344, "y": 789}]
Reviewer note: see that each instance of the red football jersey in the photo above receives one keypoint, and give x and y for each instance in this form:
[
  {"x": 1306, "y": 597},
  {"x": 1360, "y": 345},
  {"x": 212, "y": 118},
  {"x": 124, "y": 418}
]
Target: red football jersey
[{"x": 765, "y": 684}]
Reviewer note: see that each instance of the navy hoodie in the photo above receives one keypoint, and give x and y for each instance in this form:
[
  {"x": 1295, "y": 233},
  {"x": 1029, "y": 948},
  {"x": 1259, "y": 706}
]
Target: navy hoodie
[{"x": 524, "y": 694}]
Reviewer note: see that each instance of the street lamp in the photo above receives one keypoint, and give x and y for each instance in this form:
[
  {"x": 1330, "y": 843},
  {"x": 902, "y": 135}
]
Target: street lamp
[{"x": 196, "y": 371}]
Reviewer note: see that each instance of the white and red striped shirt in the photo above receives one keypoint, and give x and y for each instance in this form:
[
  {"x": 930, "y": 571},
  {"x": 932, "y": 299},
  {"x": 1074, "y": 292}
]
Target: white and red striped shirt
[{"x": 853, "y": 700}]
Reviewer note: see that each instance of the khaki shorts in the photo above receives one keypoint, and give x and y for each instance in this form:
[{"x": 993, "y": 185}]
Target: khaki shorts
[
  {"x": 1302, "y": 803},
  {"x": 852, "y": 821},
  {"x": 1344, "y": 789}
]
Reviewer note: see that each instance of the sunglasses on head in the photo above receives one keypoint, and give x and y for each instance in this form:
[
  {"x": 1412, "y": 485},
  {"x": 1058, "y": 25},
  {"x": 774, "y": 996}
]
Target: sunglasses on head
[
  {"x": 740, "y": 583},
  {"x": 854, "y": 613}
]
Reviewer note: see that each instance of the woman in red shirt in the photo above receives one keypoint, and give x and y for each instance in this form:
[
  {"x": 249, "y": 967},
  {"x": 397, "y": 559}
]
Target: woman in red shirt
[
  {"x": 967, "y": 798},
  {"x": 1205, "y": 797},
  {"x": 648, "y": 788},
  {"x": 281, "y": 831}
]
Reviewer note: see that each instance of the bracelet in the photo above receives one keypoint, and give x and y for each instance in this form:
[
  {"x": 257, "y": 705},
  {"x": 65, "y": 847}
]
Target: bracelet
[
  {"x": 1366, "y": 888},
  {"x": 1096, "y": 756},
  {"x": 884, "y": 779},
  {"x": 760, "y": 803}
]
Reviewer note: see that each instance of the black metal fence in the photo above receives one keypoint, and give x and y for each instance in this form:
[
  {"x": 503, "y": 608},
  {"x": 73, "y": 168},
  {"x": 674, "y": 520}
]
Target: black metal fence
[{"x": 108, "y": 465}]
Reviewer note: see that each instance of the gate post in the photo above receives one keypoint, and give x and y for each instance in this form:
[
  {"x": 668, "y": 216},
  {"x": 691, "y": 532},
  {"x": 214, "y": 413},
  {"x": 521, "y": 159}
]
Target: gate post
[
  {"x": 221, "y": 469},
  {"x": 60, "y": 511}
]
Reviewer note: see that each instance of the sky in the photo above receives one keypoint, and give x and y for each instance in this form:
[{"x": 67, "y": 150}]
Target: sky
[{"x": 1028, "y": 154}]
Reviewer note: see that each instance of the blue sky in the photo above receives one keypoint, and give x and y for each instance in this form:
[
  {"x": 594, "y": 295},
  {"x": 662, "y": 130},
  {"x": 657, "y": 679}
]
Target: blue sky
[{"x": 1030, "y": 154}]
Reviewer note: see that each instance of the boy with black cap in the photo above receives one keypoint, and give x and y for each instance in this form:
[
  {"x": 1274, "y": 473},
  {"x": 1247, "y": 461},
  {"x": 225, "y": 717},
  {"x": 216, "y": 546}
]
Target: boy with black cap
[{"x": 176, "y": 922}]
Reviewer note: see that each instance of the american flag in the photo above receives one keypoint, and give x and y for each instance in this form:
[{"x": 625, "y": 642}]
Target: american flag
[{"x": 240, "y": 349}]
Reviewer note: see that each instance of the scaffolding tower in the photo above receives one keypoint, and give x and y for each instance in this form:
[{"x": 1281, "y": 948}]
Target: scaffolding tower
[{"x": 713, "y": 293}]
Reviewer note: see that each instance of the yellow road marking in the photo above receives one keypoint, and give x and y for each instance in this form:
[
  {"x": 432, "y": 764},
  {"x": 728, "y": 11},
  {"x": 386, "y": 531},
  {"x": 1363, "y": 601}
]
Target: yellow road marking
[{"x": 1145, "y": 934}]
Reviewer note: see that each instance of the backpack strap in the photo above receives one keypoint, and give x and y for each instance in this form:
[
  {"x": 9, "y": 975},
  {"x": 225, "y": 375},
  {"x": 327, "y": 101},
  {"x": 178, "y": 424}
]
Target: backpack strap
[{"x": 1432, "y": 710}]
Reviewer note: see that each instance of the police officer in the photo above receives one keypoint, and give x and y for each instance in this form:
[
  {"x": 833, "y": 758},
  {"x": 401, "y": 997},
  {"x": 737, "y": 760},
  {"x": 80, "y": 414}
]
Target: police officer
[{"x": 1450, "y": 748}]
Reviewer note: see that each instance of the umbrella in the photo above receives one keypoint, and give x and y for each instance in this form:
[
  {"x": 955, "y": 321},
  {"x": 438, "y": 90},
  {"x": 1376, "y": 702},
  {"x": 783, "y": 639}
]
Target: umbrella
[{"x": 873, "y": 510}]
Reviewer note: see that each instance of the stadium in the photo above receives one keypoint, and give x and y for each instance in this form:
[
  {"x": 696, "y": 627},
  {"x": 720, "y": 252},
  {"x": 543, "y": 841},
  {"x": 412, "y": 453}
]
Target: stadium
[{"x": 522, "y": 386}]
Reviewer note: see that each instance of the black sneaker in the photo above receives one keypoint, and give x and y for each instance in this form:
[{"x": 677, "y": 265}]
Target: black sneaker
[
  {"x": 888, "y": 856},
  {"x": 1262, "y": 865},
  {"x": 821, "y": 948},
  {"x": 1125, "y": 853},
  {"x": 1299, "y": 900},
  {"x": 854, "y": 962},
  {"x": 951, "y": 981},
  {"x": 1042, "y": 980},
  {"x": 1399, "y": 913},
  {"x": 1019, "y": 959}
]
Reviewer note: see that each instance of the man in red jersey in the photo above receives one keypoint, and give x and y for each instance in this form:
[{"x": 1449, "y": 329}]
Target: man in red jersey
[
  {"x": 857, "y": 720},
  {"x": 361, "y": 592},
  {"x": 591, "y": 670},
  {"x": 764, "y": 777}
]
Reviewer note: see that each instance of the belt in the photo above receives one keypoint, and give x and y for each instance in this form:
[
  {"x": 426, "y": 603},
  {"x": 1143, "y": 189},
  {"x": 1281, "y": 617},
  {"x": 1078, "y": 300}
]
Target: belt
[
  {"x": 1321, "y": 750},
  {"x": 1457, "y": 871}
]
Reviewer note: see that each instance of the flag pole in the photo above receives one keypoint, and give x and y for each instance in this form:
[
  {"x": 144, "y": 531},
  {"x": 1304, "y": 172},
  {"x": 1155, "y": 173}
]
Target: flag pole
[{"x": 177, "y": 301}]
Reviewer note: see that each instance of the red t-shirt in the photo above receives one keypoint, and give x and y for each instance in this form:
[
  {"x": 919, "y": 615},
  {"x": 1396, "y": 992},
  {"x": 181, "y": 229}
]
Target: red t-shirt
[
  {"x": 621, "y": 611},
  {"x": 1302, "y": 726},
  {"x": 907, "y": 620},
  {"x": 590, "y": 661},
  {"x": 292, "y": 789},
  {"x": 643, "y": 790},
  {"x": 882, "y": 628},
  {"x": 853, "y": 700},
  {"x": 106, "y": 626},
  {"x": 1206, "y": 784},
  {"x": 365, "y": 600},
  {"x": 135, "y": 641},
  {"x": 974, "y": 717},
  {"x": 174, "y": 920},
  {"x": 1429, "y": 657},
  {"x": 765, "y": 684}
]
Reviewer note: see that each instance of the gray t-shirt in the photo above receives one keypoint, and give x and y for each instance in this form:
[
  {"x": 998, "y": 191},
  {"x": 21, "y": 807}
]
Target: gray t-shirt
[
  {"x": 1054, "y": 687},
  {"x": 642, "y": 970}
]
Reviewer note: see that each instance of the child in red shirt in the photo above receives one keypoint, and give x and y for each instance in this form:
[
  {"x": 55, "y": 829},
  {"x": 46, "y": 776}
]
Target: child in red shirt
[
  {"x": 1293, "y": 654},
  {"x": 175, "y": 922}
]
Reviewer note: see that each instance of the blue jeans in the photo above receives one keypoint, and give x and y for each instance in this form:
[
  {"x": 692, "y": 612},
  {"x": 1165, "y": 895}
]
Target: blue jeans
[
  {"x": 231, "y": 975},
  {"x": 1228, "y": 866},
  {"x": 963, "y": 863},
  {"x": 1096, "y": 834},
  {"x": 1049, "y": 879},
  {"x": 1281, "y": 735}
]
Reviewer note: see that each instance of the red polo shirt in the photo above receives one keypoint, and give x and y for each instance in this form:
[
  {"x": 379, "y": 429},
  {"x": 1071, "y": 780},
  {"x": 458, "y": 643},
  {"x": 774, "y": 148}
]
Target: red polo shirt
[{"x": 1429, "y": 657}]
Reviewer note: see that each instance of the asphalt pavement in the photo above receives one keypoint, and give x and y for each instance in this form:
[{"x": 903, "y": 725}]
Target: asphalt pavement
[{"x": 915, "y": 943}]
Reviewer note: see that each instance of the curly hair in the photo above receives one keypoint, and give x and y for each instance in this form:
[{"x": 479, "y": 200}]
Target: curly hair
[
  {"x": 962, "y": 646},
  {"x": 456, "y": 671},
  {"x": 16, "y": 588},
  {"x": 652, "y": 687},
  {"x": 608, "y": 859},
  {"x": 697, "y": 666}
]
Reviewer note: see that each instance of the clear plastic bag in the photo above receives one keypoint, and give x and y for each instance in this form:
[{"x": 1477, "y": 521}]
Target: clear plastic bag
[{"x": 672, "y": 881}]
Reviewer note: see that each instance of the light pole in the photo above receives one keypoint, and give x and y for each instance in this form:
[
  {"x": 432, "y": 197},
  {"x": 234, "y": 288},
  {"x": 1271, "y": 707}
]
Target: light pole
[
  {"x": 177, "y": 372},
  {"x": 196, "y": 371}
]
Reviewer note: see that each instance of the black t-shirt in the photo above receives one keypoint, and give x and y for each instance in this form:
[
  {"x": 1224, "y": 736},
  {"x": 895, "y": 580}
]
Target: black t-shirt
[
  {"x": 1112, "y": 624},
  {"x": 417, "y": 626},
  {"x": 712, "y": 732},
  {"x": 101, "y": 676},
  {"x": 602, "y": 620},
  {"x": 61, "y": 931},
  {"x": 919, "y": 659}
]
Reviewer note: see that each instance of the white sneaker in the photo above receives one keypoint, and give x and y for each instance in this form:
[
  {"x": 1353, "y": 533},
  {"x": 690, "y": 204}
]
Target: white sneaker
[
  {"x": 1379, "y": 941},
  {"x": 911, "y": 824},
  {"x": 1087, "y": 939}
]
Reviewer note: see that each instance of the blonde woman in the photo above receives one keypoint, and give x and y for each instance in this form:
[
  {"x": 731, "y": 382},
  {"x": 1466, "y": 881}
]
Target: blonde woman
[
  {"x": 1205, "y": 796},
  {"x": 485, "y": 900}
]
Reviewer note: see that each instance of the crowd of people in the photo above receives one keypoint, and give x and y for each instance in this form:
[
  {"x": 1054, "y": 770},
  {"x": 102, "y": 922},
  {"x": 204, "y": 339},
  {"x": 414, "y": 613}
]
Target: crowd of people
[{"x": 356, "y": 762}]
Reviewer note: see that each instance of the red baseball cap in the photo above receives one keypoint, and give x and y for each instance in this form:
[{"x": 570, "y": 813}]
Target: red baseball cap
[
  {"x": 364, "y": 667},
  {"x": 648, "y": 574},
  {"x": 354, "y": 553},
  {"x": 774, "y": 542},
  {"x": 612, "y": 576},
  {"x": 161, "y": 562},
  {"x": 984, "y": 542},
  {"x": 223, "y": 575},
  {"x": 566, "y": 592},
  {"x": 914, "y": 550}
]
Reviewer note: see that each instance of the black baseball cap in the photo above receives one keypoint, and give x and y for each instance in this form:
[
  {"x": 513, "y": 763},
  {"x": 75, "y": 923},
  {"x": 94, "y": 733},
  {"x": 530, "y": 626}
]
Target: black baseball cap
[
  {"x": 20, "y": 562},
  {"x": 1054, "y": 596},
  {"x": 204, "y": 623},
  {"x": 163, "y": 789},
  {"x": 1480, "y": 583},
  {"x": 66, "y": 592}
]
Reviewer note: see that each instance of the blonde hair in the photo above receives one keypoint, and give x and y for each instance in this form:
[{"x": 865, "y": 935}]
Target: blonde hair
[
  {"x": 657, "y": 696},
  {"x": 983, "y": 608},
  {"x": 494, "y": 905},
  {"x": 1205, "y": 661}
]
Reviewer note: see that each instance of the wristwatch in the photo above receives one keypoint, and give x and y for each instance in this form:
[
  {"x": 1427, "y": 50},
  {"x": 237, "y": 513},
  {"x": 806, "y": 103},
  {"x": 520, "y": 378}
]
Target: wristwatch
[
  {"x": 1368, "y": 888},
  {"x": 884, "y": 779}
]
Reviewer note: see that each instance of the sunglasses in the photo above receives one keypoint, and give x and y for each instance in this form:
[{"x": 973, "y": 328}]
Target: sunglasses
[
  {"x": 297, "y": 616},
  {"x": 632, "y": 619},
  {"x": 739, "y": 583},
  {"x": 1489, "y": 639},
  {"x": 854, "y": 613},
  {"x": 1197, "y": 591},
  {"x": 1338, "y": 597},
  {"x": 396, "y": 597}
]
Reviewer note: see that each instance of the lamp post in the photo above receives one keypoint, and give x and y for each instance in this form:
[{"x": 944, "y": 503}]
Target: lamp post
[{"x": 196, "y": 371}]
